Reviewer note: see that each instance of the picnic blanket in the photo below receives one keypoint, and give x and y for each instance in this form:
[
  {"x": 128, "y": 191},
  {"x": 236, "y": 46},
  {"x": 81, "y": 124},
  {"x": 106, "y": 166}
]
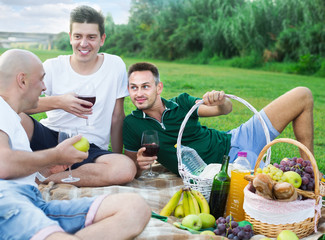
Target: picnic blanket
[{"x": 157, "y": 193}]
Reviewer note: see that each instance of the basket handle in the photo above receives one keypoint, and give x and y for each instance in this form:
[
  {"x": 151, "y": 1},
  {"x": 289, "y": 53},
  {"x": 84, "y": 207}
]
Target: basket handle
[
  {"x": 181, "y": 130},
  {"x": 299, "y": 145}
]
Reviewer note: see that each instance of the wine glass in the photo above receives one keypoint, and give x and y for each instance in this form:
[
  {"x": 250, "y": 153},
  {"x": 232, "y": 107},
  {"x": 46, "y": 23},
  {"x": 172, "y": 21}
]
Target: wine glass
[
  {"x": 150, "y": 141},
  {"x": 87, "y": 92},
  {"x": 63, "y": 135}
]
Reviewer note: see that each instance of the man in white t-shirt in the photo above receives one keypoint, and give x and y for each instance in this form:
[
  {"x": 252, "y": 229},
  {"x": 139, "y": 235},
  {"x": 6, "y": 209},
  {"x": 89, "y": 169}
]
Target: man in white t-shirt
[
  {"x": 64, "y": 76},
  {"x": 23, "y": 212}
]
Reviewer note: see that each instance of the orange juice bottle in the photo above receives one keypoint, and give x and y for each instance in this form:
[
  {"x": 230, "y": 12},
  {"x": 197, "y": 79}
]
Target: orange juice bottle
[{"x": 241, "y": 167}]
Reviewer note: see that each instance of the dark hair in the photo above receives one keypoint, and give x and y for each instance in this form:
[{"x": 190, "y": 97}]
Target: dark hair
[
  {"x": 145, "y": 66},
  {"x": 86, "y": 14}
]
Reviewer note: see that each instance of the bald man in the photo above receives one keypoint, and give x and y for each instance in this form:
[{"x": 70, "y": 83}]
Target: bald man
[{"x": 26, "y": 214}]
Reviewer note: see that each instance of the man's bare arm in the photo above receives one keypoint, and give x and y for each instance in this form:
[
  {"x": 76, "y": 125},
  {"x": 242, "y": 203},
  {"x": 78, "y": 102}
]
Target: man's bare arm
[{"x": 117, "y": 126}]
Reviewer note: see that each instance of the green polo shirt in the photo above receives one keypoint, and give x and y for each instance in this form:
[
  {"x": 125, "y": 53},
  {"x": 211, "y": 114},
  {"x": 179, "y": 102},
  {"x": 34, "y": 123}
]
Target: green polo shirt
[{"x": 210, "y": 144}]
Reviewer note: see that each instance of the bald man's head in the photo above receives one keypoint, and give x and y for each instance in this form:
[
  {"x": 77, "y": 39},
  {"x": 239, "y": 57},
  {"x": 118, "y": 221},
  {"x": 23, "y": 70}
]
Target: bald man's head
[{"x": 13, "y": 62}]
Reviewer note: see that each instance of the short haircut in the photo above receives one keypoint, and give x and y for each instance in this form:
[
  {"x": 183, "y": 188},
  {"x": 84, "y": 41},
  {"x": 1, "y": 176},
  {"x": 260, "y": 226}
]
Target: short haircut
[
  {"x": 145, "y": 66},
  {"x": 86, "y": 14}
]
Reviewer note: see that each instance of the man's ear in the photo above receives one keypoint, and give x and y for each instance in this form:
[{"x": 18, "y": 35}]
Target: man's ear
[
  {"x": 102, "y": 40},
  {"x": 21, "y": 80},
  {"x": 160, "y": 87}
]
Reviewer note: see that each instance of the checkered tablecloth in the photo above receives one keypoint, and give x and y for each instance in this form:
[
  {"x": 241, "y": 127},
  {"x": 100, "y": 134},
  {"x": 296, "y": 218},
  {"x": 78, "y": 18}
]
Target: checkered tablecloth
[{"x": 157, "y": 193}]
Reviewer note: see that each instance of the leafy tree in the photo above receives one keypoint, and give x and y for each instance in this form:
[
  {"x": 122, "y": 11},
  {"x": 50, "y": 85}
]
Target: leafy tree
[{"x": 62, "y": 42}]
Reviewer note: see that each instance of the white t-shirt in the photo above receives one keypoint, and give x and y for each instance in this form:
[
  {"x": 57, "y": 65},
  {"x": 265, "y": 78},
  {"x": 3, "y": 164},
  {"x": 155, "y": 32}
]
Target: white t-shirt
[
  {"x": 18, "y": 140},
  {"x": 110, "y": 82}
]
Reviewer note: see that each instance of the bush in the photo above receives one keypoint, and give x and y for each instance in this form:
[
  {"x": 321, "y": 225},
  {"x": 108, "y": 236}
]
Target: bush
[
  {"x": 321, "y": 71},
  {"x": 253, "y": 60},
  {"x": 308, "y": 65}
]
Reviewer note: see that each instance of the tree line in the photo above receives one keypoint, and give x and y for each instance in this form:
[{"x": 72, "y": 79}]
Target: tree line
[{"x": 202, "y": 31}]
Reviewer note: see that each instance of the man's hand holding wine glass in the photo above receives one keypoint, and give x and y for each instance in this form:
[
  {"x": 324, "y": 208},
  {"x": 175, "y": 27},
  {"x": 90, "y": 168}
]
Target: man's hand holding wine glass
[
  {"x": 72, "y": 104},
  {"x": 144, "y": 161}
]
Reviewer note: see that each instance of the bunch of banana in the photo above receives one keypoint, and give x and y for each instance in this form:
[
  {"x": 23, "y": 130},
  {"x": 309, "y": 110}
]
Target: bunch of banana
[{"x": 193, "y": 203}]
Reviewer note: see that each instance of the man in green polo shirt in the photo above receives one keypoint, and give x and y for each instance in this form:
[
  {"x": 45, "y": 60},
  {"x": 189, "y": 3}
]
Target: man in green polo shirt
[{"x": 166, "y": 116}]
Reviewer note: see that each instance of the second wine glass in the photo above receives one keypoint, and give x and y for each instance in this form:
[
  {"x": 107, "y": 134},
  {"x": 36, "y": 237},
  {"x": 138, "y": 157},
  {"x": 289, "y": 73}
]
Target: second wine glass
[
  {"x": 88, "y": 93},
  {"x": 150, "y": 141},
  {"x": 63, "y": 135}
]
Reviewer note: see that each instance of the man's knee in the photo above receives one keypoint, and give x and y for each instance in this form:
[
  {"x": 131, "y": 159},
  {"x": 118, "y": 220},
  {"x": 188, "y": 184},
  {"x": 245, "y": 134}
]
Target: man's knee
[
  {"x": 305, "y": 95},
  {"x": 123, "y": 164}
]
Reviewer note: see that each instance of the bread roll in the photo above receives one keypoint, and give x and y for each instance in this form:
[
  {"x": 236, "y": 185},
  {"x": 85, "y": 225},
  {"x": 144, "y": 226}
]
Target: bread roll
[
  {"x": 285, "y": 192},
  {"x": 263, "y": 184}
]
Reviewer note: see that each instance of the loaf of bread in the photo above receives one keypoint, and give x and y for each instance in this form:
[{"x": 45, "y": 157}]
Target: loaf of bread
[
  {"x": 263, "y": 184},
  {"x": 285, "y": 192}
]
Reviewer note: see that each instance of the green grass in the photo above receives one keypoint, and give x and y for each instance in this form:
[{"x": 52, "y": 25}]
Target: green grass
[{"x": 255, "y": 86}]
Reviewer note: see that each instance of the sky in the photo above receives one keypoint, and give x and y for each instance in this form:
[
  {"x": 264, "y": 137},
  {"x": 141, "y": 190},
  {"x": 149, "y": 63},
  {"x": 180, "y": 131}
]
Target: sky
[{"x": 52, "y": 16}]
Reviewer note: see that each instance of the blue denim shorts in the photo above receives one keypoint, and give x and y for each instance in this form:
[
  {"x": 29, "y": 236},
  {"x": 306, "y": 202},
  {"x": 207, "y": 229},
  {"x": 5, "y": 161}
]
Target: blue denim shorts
[
  {"x": 250, "y": 137},
  {"x": 45, "y": 138},
  {"x": 25, "y": 215}
]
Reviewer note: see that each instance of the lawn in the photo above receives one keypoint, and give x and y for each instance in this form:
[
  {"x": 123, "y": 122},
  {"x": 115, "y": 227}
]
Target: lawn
[{"x": 255, "y": 86}]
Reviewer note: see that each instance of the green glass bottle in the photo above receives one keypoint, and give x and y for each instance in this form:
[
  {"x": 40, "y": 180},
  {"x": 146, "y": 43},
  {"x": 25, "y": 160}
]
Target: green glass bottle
[{"x": 220, "y": 190}]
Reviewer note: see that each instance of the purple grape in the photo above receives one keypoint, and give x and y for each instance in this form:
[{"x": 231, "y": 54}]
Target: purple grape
[
  {"x": 309, "y": 169},
  {"x": 234, "y": 224},
  {"x": 310, "y": 186},
  {"x": 222, "y": 227},
  {"x": 217, "y": 231},
  {"x": 307, "y": 175},
  {"x": 299, "y": 160},
  {"x": 236, "y": 230},
  {"x": 229, "y": 218},
  {"x": 220, "y": 220},
  {"x": 276, "y": 165},
  {"x": 297, "y": 170},
  {"x": 286, "y": 169},
  {"x": 303, "y": 187},
  {"x": 236, "y": 238},
  {"x": 241, "y": 234},
  {"x": 247, "y": 228},
  {"x": 292, "y": 163},
  {"x": 282, "y": 168},
  {"x": 305, "y": 180},
  {"x": 294, "y": 159},
  {"x": 284, "y": 163},
  {"x": 304, "y": 163},
  {"x": 230, "y": 236},
  {"x": 247, "y": 236}
]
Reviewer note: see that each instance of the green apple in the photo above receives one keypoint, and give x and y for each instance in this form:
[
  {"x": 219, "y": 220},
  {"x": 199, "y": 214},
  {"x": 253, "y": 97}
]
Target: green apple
[
  {"x": 265, "y": 238},
  {"x": 293, "y": 178},
  {"x": 207, "y": 232},
  {"x": 287, "y": 235},
  {"x": 82, "y": 145},
  {"x": 207, "y": 219},
  {"x": 179, "y": 211},
  {"x": 192, "y": 221}
]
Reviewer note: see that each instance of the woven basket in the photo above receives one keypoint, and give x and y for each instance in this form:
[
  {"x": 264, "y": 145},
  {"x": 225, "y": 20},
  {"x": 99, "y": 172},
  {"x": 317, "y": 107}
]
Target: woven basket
[
  {"x": 201, "y": 184},
  {"x": 303, "y": 228}
]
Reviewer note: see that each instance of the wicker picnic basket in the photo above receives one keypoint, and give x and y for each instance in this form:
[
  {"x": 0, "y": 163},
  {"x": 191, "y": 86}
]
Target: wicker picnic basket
[
  {"x": 202, "y": 184},
  {"x": 302, "y": 228}
]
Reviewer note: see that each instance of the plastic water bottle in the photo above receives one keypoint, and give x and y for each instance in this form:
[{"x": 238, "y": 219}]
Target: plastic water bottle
[
  {"x": 220, "y": 190},
  {"x": 192, "y": 161},
  {"x": 241, "y": 167}
]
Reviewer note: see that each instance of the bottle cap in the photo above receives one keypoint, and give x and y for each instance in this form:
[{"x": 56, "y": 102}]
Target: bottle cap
[{"x": 242, "y": 154}]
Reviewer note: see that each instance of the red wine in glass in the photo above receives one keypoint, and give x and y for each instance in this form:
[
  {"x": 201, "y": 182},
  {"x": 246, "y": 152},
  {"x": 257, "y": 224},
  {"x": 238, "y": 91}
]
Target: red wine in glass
[
  {"x": 150, "y": 140},
  {"x": 89, "y": 99},
  {"x": 87, "y": 92},
  {"x": 152, "y": 149}
]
